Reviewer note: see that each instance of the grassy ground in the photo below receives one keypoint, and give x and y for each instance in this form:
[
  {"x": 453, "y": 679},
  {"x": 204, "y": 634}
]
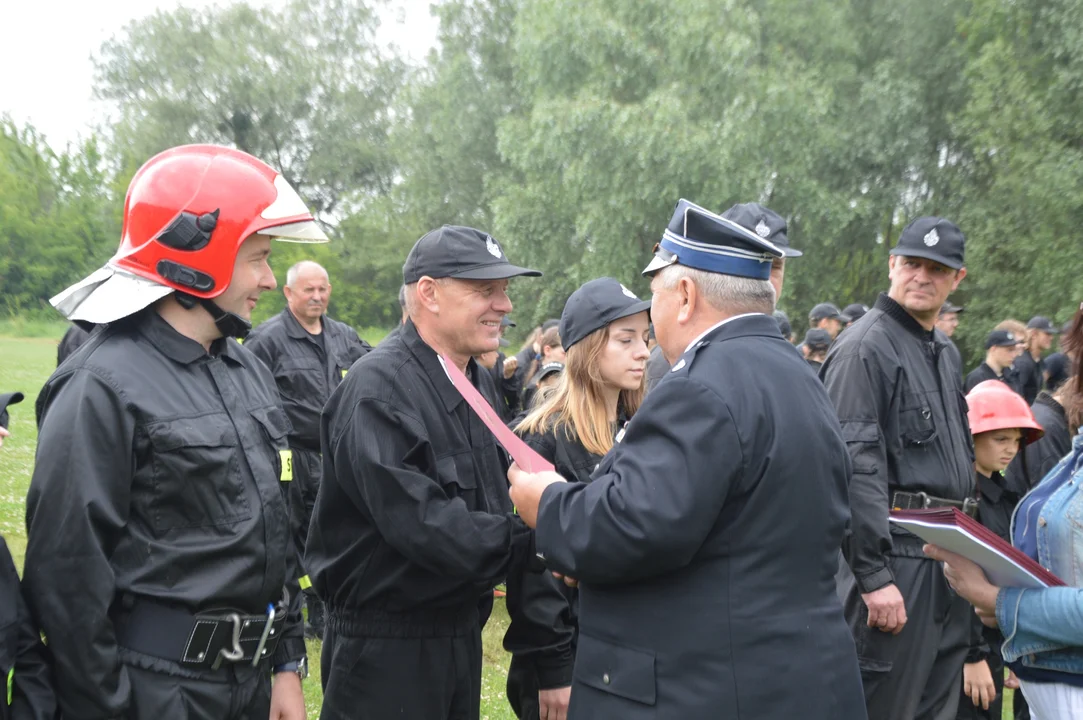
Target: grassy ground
[{"x": 25, "y": 365}]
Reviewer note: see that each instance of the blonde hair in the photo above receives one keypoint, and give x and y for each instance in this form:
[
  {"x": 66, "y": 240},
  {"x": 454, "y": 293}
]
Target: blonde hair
[
  {"x": 549, "y": 338},
  {"x": 576, "y": 405},
  {"x": 1014, "y": 327}
]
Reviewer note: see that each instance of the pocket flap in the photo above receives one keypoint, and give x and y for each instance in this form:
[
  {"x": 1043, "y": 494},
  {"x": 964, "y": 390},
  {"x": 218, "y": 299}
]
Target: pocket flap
[
  {"x": 205, "y": 431},
  {"x": 615, "y": 669},
  {"x": 457, "y": 470},
  {"x": 860, "y": 431},
  {"x": 274, "y": 421}
]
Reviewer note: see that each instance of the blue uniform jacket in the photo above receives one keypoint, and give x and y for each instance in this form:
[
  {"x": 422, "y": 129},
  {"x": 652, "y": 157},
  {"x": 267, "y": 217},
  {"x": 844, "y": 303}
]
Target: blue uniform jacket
[{"x": 707, "y": 544}]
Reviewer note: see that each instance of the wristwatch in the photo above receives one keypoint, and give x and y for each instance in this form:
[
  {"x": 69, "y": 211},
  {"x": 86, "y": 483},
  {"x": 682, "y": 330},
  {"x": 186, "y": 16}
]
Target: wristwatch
[{"x": 300, "y": 667}]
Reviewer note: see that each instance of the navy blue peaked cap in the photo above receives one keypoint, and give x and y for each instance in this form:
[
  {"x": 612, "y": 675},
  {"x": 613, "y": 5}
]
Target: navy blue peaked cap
[{"x": 698, "y": 238}]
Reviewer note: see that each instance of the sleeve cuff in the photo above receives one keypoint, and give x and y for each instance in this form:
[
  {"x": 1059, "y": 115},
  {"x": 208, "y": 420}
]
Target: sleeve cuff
[
  {"x": 872, "y": 581},
  {"x": 555, "y": 672},
  {"x": 289, "y": 650}
]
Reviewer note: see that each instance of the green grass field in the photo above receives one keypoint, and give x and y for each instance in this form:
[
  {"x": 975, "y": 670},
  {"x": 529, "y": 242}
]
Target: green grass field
[{"x": 25, "y": 365}]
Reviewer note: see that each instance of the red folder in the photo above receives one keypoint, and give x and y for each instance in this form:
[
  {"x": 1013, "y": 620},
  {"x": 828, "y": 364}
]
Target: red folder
[
  {"x": 520, "y": 452},
  {"x": 978, "y": 543}
]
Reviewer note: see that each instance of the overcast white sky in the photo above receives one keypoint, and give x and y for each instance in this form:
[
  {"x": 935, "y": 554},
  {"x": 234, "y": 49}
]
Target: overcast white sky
[{"x": 46, "y": 74}]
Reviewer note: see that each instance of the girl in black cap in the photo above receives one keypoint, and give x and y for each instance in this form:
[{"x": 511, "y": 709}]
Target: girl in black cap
[
  {"x": 551, "y": 351},
  {"x": 605, "y": 331}
]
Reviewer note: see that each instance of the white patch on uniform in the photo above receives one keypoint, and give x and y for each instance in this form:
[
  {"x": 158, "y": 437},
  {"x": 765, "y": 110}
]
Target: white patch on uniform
[
  {"x": 762, "y": 230},
  {"x": 628, "y": 292},
  {"x": 680, "y": 364},
  {"x": 492, "y": 247},
  {"x": 620, "y": 435},
  {"x": 287, "y": 204},
  {"x": 932, "y": 237}
]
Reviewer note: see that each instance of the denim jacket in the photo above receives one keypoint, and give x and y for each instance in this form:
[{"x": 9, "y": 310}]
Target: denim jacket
[{"x": 1043, "y": 628}]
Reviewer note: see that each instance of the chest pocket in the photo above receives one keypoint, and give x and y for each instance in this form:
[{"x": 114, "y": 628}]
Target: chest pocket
[
  {"x": 196, "y": 475},
  {"x": 275, "y": 426},
  {"x": 458, "y": 479},
  {"x": 916, "y": 426}
]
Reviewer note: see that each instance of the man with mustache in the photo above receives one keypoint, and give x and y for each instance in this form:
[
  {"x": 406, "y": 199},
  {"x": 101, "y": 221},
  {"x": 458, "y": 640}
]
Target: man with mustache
[
  {"x": 899, "y": 399},
  {"x": 308, "y": 353}
]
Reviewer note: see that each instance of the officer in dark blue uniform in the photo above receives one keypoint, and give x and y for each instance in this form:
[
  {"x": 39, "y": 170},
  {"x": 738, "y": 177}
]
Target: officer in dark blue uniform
[{"x": 707, "y": 541}]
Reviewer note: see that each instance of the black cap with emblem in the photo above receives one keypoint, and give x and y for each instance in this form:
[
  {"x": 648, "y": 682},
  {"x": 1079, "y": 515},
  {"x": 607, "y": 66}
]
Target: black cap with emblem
[
  {"x": 949, "y": 307},
  {"x": 823, "y": 311},
  {"x": 5, "y": 400},
  {"x": 1044, "y": 324},
  {"x": 934, "y": 239},
  {"x": 1001, "y": 338},
  {"x": 595, "y": 305},
  {"x": 853, "y": 312},
  {"x": 459, "y": 252},
  {"x": 817, "y": 339},
  {"x": 765, "y": 222}
]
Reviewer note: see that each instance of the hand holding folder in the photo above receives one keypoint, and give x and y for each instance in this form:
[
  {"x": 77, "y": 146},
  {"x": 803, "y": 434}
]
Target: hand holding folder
[{"x": 948, "y": 528}]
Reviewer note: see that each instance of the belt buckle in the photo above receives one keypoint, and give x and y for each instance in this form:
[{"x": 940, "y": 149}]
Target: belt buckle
[
  {"x": 970, "y": 507},
  {"x": 926, "y": 501},
  {"x": 236, "y": 653}
]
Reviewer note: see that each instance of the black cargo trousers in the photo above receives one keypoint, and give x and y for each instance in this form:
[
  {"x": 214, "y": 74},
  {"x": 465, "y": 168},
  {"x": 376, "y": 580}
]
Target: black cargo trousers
[
  {"x": 301, "y": 498},
  {"x": 425, "y": 665},
  {"x": 917, "y": 674},
  {"x": 161, "y": 689}
]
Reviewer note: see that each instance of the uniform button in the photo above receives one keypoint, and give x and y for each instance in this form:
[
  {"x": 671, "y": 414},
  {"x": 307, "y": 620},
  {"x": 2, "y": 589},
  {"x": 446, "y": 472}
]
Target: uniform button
[
  {"x": 605, "y": 678},
  {"x": 1041, "y": 522}
]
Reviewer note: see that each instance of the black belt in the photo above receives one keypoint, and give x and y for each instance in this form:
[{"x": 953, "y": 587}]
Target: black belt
[
  {"x": 201, "y": 641},
  {"x": 924, "y": 501}
]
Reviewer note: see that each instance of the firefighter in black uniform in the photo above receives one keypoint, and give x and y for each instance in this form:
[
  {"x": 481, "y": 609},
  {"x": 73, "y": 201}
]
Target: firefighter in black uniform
[
  {"x": 1001, "y": 349},
  {"x": 706, "y": 542},
  {"x": 770, "y": 226},
  {"x": 413, "y": 524},
  {"x": 159, "y": 560},
  {"x": 900, "y": 401},
  {"x": 1001, "y": 424},
  {"x": 1029, "y": 366},
  {"x": 25, "y": 665},
  {"x": 604, "y": 328},
  {"x": 308, "y": 353},
  {"x": 947, "y": 322}
]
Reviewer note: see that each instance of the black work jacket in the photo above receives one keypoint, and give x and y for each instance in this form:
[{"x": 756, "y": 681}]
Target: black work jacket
[
  {"x": 983, "y": 372},
  {"x": 413, "y": 511},
  {"x": 544, "y": 611},
  {"x": 305, "y": 370},
  {"x": 156, "y": 477},
  {"x": 1041, "y": 456},
  {"x": 900, "y": 401},
  {"x": 25, "y": 662},
  {"x": 1029, "y": 374},
  {"x": 707, "y": 542}
]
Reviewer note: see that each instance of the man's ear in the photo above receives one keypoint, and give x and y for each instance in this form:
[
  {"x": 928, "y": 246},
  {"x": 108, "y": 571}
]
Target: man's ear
[
  {"x": 688, "y": 298},
  {"x": 428, "y": 294}
]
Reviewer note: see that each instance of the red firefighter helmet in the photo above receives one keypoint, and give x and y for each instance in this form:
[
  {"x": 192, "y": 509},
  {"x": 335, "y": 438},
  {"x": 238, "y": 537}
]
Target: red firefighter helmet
[
  {"x": 995, "y": 406},
  {"x": 186, "y": 213}
]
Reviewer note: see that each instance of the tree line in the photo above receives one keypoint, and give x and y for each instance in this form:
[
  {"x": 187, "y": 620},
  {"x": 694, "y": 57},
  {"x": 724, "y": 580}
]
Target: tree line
[{"x": 569, "y": 128}]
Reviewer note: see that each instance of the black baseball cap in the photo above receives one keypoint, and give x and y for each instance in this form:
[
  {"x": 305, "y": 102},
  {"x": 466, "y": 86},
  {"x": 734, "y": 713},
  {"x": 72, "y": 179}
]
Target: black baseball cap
[
  {"x": 5, "y": 400},
  {"x": 507, "y": 322},
  {"x": 935, "y": 239},
  {"x": 459, "y": 252},
  {"x": 824, "y": 310},
  {"x": 765, "y": 222},
  {"x": 949, "y": 308},
  {"x": 1001, "y": 338},
  {"x": 817, "y": 339},
  {"x": 854, "y": 312},
  {"x": 783, "y": 324},
  {"x": 1044, "y": 324},
  {"x": 595, "y": 305},
  {"x": 548, "y": 369}
]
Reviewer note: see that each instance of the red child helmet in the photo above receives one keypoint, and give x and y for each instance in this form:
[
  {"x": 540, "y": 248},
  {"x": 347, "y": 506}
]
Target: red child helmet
[
  {"x": 995, "y": 406},
  {"x": 186, "y": 213}
]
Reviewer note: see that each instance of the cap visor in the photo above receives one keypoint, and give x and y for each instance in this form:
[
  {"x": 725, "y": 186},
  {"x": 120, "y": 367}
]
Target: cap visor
[
  {"x": 641, "y": 306},
  {"x": 789, "y": 252},
  {"x": 307, "y": 231},
  {"x": 496, "y": 271},
  {"x": 657, "y": 263},
  {"x": 106, "y": 295},
  {"x": 927, "y": 255}
]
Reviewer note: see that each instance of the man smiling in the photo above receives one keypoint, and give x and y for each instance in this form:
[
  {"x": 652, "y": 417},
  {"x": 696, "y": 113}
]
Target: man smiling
[
  {"x": 899, "y": 399},
  {"x": 413, "y": 526}
]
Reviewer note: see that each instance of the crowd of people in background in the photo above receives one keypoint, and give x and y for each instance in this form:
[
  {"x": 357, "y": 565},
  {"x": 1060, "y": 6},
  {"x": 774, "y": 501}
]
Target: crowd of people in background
[{"x": 712, "y": 539}]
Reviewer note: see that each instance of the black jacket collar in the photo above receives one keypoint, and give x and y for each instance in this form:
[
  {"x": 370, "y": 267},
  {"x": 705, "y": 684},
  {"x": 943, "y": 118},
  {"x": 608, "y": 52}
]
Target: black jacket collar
[
  {"x": 430, "y": 363},
  {"x": 898, "y": 313},
  {"x": 181, "y": 348},
  {"x": 294, "y": 328}
]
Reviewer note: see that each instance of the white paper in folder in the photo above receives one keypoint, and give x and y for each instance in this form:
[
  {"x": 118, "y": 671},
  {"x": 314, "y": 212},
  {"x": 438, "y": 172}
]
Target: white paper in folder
[{"x": 1001, "y": 570}]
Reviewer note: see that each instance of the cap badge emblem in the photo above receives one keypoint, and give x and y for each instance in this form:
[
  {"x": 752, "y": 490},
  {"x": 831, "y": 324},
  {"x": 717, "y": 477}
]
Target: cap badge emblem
[
  {"x": 492, "y": 247},
  {"x": 932, "y": 237},
  {"x": 762, "y": 230},
  {"x": 628, "y": 292}
]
